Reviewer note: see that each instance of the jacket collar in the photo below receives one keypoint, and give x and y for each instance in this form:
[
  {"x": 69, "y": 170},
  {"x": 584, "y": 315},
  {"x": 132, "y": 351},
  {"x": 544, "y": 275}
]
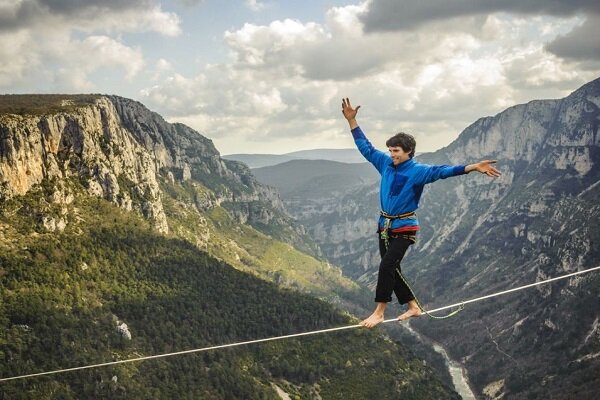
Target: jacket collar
[{"x": 410, "y": 161}]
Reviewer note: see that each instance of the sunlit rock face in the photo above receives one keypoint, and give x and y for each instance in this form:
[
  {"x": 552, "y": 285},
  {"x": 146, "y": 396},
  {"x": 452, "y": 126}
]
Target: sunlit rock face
[{"x": 118, "y": 149}]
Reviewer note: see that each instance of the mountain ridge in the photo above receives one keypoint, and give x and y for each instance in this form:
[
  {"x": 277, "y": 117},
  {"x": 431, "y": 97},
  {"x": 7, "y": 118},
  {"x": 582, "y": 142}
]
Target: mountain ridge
[
  {"x": 291, "y": 177},
  {"x": 348, "y": 156}
]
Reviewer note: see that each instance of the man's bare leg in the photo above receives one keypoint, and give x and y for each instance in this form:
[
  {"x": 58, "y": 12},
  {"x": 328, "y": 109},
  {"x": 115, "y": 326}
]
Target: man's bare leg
[
  {"x": 413, "y": 311},
  {"x": 375, "y": 318}
]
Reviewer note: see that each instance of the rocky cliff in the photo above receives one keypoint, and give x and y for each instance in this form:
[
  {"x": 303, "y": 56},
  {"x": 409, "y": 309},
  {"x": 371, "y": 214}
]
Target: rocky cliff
[
  {"x": 539, "y": 220},
  {"x": 118, "y": 149}
]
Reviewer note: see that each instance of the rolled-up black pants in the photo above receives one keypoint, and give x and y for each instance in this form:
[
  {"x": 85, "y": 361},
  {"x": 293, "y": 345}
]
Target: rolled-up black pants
[{"x": 389, "y": 280}]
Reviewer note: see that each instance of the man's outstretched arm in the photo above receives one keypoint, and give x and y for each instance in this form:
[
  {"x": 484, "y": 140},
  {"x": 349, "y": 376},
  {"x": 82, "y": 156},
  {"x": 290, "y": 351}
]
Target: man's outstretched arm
[{"x": 484, "y": 167}]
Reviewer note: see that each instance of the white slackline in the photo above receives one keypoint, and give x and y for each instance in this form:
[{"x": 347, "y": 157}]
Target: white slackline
[{"x": 341, "y": 328}]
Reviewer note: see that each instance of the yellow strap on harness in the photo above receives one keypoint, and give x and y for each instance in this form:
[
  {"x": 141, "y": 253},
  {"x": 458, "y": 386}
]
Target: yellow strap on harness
[{"x": 388, "y": 221}]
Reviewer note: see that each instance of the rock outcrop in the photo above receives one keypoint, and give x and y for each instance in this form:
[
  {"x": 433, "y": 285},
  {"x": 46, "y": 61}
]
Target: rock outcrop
[
  {"x": 119, "y": 150},
  {"x": 539, "y": 220}
]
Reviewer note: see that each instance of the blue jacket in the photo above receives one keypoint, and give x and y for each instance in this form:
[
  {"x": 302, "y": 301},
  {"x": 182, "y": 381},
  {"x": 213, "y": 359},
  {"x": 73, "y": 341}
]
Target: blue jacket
[{"x": 401, "y": 185}]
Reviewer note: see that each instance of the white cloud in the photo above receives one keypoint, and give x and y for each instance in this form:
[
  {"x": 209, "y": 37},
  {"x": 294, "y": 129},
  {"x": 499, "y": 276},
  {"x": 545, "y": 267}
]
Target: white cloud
[
  {"x": 163, "y": 65},
  {"x": 177, "y": 95},
  {"x": 71, "y": 79},
  {"x": 107, "y": 51},
  {"x": 285, "y": 80},
  {"x": 282, "y": 85},
  {"x": 255, "y": 5},
  {"x": 273, "y": 46},
  {"x": 58, "y": 62},
  {"x": 162, "y": 68},
  {"x": 268, "y": 102},
  {"x": 151, "y": 20},
  {"x": 16, "y": 62},
  {"x": 425, "y": 71},
  {"x": 56, "y": 46},
  {"x": 80, "y": 58}
]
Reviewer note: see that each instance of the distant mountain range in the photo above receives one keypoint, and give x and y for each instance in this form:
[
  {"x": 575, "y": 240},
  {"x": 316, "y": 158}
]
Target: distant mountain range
[
  {"x": 307, "y": 179},
  {"x": 265, "y": 160}
]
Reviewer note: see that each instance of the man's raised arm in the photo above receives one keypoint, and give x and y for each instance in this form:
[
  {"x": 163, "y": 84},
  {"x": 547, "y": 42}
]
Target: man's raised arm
[{"x": 349, "y": 113}]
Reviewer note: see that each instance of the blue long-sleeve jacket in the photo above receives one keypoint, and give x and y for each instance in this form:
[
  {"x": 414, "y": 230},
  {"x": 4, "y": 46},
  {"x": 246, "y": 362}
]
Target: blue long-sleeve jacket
[{"x": 401, "y": 185}]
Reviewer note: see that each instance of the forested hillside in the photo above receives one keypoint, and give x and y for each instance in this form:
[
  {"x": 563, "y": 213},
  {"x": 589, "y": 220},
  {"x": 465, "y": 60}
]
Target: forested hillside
[
  {"x": 123, "y": 236},
  {"x": 110, "y": 287}
]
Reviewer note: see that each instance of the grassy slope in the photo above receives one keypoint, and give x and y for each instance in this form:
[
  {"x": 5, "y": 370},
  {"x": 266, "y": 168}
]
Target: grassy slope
[
  {"x": 249, "y": 250},
  {"x": 40, "y": 104}
]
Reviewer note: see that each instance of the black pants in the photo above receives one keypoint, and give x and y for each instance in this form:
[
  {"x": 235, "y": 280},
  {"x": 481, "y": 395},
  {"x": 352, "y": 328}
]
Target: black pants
[{"x": 388, "y": 280}]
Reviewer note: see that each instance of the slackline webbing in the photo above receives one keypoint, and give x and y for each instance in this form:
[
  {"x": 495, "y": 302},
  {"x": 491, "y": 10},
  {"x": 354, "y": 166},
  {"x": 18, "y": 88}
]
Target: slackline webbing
[{"x": 288, "y": 336}]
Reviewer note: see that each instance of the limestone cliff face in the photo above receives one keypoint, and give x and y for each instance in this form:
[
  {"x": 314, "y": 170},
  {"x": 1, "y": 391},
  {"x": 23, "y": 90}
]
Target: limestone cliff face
[
  {"x": 548, "y": 152},
  {"x": 89, "y": 143},
  {"x": 184, "y": 154},
  {"x": 118, "y": 149},
  {"x": 539, "y": 220},
  {"x": 554, "y": 134}
]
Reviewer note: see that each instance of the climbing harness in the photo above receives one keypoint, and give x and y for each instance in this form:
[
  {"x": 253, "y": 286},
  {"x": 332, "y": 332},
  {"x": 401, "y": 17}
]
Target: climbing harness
[{"x": 385, "y": 235}]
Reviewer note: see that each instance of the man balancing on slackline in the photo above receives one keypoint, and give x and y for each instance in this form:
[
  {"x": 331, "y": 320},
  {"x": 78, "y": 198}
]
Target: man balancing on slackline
[{"x": 402, "y": 182}]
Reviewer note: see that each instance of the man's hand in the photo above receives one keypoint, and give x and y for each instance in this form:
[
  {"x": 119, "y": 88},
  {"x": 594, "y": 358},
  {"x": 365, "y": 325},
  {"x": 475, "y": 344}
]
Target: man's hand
[
  {"x": 484, "y": 167},
  {"x": 349, "y": 112}
]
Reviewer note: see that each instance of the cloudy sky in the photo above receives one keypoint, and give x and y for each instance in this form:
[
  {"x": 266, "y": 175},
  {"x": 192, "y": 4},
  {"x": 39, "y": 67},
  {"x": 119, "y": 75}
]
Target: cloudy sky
[{"x": 268, "y": 76}]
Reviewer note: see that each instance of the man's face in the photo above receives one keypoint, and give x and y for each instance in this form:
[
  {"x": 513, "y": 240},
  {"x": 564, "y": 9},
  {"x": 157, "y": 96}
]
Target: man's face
[{"x": 398, "y": 155}]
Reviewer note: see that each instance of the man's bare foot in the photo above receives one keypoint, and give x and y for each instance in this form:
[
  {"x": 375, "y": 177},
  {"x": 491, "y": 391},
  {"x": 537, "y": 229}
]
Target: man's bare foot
[
  {"x": 374, "y": 319},
  {"x": 413, "y": 311},
  {"x": 410, "y": 313}
]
